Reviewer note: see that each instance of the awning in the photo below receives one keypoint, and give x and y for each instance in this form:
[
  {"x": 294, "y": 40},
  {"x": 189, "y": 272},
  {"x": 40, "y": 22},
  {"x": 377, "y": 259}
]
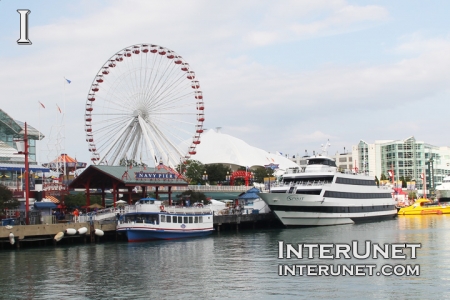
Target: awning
[
  {"x": 44, "y": 205},
  {"x": 21, "y": 168}
]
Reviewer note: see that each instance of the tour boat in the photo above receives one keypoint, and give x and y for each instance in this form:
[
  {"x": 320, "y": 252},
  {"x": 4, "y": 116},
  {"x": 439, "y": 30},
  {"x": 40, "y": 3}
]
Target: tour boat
[
  {"x": 443, "y": 190},
  {"x": 424, "y": 206},
  {"x": 149, "y": 219},
  {"x": 322, "y": 195}
]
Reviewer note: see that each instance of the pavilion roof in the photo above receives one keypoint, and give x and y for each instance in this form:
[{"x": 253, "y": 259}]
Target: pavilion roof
[{"x": 101, "y": 176}]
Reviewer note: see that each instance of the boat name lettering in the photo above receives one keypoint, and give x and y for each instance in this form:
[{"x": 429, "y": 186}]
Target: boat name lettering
[
  {"x": 294, "y": 198},
  {"x": 142, "y": 175}
]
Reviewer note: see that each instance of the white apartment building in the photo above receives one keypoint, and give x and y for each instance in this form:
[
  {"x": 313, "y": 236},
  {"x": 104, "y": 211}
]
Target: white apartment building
[{"x": 408, "y": 158}]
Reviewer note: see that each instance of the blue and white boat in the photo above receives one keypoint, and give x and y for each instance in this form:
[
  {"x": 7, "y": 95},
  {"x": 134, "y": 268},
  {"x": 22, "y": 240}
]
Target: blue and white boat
[{"x": 149, "y": 219}]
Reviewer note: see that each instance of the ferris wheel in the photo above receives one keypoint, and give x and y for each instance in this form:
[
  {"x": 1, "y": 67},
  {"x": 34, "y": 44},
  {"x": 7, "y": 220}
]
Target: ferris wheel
[{"x": 144, "y": 106}]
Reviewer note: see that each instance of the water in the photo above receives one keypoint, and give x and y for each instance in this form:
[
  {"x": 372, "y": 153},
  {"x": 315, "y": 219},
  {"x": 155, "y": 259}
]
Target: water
[{"x": 236, "y": 265}]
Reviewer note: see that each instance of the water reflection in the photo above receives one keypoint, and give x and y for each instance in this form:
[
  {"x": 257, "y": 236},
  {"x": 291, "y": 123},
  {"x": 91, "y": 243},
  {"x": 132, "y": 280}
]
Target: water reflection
[{"x": 227, "y": 265}]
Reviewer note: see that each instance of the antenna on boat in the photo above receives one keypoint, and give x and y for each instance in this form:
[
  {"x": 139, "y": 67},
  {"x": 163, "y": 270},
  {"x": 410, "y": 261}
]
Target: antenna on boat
[{"x": 325, "y": 148}]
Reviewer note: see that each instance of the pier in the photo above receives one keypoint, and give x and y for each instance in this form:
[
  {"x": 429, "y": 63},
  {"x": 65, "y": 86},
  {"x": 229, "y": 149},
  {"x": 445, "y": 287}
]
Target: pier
[{"x": 44, "y": 234}]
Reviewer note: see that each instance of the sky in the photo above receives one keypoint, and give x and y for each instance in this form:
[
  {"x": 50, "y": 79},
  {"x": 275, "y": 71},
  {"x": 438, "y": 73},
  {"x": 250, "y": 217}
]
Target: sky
[{"x": 281, "y": 75}]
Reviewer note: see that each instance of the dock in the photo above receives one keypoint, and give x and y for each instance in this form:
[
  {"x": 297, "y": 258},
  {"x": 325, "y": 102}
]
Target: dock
[{"x": 44, "y": 234}]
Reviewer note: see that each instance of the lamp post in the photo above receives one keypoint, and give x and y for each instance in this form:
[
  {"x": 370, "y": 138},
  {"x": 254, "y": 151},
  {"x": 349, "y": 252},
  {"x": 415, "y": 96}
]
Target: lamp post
[
  {"x": 228, "y": 177},
  {"x": 26, "y": 175},
  {"x": 205, "y": 177}
]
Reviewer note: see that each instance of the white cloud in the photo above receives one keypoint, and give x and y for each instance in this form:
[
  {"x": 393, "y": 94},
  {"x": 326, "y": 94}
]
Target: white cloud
[{"x": 269, "y": 106}]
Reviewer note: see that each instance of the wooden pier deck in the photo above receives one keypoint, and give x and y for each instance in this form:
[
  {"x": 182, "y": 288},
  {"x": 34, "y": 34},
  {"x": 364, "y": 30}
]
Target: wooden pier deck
[{"x": 43, "y": 234}]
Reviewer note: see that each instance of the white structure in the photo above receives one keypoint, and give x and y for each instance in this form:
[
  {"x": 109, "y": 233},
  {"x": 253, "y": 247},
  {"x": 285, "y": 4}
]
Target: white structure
[
  {"x": 220, "y": 148},
  {"x": 408, "y": 158}
]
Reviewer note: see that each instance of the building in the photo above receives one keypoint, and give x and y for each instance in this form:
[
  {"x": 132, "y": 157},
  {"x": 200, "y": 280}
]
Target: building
[
  {"x": 12, "y": 165},
  {"x": 220, "y": 148},
  {"x": 408, "y": 158}
]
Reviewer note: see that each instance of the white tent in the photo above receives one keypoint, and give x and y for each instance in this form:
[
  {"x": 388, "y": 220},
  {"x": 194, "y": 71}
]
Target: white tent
[{"x": 220, "y": 148}]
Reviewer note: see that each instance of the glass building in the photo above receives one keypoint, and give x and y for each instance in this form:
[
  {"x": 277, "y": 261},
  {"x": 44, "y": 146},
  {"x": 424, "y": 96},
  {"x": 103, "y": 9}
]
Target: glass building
[{"x": 408, "y": 158}]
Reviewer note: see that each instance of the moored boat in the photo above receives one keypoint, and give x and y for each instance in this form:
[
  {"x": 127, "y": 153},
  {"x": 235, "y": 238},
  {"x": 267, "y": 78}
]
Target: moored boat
[
  {"x": 322, "y": 195},
  {"x": 149, "y": 219},
  {"x": 443, "y": 190},
  {"x": 424, "y": 206}
]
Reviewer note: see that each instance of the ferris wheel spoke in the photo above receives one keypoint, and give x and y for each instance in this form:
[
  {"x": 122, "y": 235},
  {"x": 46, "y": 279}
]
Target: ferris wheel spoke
[
  {"x": 144, "y": 103},
  {"x": 118, "y": 138}
]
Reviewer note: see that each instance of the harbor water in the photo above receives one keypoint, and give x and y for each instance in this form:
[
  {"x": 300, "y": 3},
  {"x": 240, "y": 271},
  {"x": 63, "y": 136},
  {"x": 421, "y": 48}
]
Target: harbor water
[{"x": 233, "y": 264}]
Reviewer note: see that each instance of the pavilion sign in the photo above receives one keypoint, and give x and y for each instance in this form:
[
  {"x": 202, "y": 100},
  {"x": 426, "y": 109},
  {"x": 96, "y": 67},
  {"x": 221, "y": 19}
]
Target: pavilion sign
[{"x": 142, "y": 175}]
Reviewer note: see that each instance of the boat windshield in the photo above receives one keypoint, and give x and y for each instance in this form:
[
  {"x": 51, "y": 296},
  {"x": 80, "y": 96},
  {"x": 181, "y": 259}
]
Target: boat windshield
[
  {"x": 322, "y": 161},
  {"x": 146, "y": 201}
]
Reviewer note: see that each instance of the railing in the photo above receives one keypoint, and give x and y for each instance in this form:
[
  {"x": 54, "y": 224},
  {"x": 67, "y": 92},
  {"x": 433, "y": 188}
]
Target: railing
[{"x": 301, "y": 183}]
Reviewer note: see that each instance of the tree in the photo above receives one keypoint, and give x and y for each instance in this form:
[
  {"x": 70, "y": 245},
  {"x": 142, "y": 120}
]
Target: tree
[
  {"x": 194, "y": 171},
  {"x": 6, "y": 198},
  {"x": 261, "y": 173},
  {"x": 383, "y": 177},
  {"x": 80, "y": 199},
  {"x": 194, "y": 196},
  {"x": 412, "y": 195},
  {"x": 217, "y": 173},
  {"x": 130, "y": 162}
]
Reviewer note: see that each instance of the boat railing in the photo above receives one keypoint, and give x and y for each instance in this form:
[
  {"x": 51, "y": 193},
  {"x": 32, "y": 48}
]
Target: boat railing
[
  {"x": 187, "y": 210},
  {"x": 301, "y": 183}
]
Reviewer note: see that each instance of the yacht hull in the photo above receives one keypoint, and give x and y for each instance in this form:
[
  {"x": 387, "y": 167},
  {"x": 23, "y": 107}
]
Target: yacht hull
[{"x": 313, "y": 210}]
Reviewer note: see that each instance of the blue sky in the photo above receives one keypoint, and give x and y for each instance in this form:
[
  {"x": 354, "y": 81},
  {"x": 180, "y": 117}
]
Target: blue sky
[{"x": 281, "y": 75}]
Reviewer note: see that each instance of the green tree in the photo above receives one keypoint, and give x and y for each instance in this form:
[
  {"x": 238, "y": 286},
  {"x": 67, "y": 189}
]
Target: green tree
[
  {"x": 261, "y": 173},
  {"x": 194, "y": 171},
  {"x": 403, "y": 180},
  {"x": 383, "y": 177},
  {"x": 6, "y": 198},
  {"x": 80, "y": 199},
  {"x": 217, "y": 173},
  {"x": 412, "y": 195},
  {"x": 130, "y": 162},
  {"x": 193, "y": 196}
]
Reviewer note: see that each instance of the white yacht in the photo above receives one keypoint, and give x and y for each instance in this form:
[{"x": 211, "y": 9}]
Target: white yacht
[
  {"x": 443, "y": 190},
  {"x": 321, "y": 195}
]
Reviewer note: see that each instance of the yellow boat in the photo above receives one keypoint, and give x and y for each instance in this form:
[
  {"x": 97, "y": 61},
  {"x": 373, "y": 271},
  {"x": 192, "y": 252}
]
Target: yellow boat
[{"x": 424, "y": 206}]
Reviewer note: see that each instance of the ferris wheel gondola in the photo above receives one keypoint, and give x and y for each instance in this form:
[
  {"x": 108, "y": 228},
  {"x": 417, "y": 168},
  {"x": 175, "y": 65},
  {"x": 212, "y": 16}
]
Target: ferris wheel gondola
[{"x": 144, "y": 105}]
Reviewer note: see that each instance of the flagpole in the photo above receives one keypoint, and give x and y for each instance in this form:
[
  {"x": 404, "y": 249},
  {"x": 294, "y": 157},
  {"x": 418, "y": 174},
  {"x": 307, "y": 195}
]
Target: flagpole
[
  {"x": 39, "y": 130},
  {"x": 64, "y": 126}
]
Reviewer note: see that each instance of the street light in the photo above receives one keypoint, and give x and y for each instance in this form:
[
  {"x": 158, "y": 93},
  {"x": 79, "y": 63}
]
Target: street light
[
  {"x": 25, "y": 152},
  {"x": 228, "y": 177},
  {"x": 205, "y": 176}
]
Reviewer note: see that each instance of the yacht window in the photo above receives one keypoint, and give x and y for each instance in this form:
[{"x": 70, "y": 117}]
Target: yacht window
[
  {"x": 195, "y": 219},
  {"x": 190, "y": 219},
  {"x": 163, "y": 218},
  {"x": 186, "y": 220},
  {"x": 200, "y": 219},
  {"x": 180, "y": 219},
  {"x": 168, "y": 219}
]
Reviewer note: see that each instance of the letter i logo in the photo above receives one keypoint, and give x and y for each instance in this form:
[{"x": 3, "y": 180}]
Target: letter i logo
[{"x": 23, "y": 27}]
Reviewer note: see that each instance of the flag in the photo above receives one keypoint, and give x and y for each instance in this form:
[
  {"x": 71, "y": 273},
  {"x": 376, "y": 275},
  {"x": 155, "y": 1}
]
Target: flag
[
  {"x": 68, "y": 81},
  {"x": 41, "y": 104},
  {"x": 58, "y": 108}
]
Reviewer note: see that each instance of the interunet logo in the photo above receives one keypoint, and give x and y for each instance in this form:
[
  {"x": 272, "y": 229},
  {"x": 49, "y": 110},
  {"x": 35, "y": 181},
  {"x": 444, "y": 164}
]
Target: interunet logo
[{"x": 347, "y": 251}]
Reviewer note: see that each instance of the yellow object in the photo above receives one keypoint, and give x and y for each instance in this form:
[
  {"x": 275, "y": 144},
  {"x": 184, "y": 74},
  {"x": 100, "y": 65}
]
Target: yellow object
[{"x": 424, "y": 206}]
